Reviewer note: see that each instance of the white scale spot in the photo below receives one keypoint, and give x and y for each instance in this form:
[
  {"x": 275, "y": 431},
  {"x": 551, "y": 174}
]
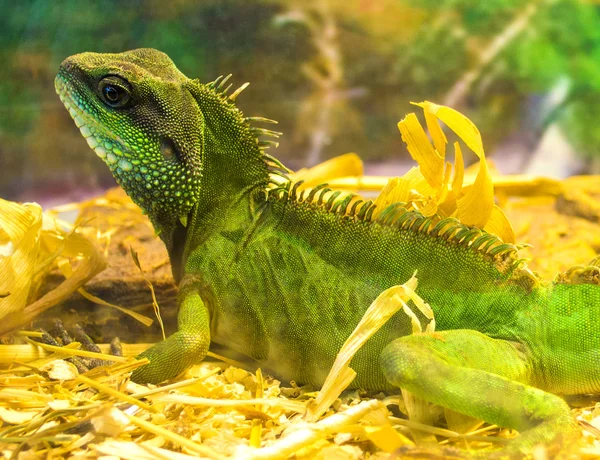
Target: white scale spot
[
  {"x": 85, "y": 131},
  {"x": 125, "y": 165},
  {"x": 100, "y": 152},
  {"x": 111, "y": 158},
  {"x": 92, "y": 142},
  {"x": 79, "y": 121}
]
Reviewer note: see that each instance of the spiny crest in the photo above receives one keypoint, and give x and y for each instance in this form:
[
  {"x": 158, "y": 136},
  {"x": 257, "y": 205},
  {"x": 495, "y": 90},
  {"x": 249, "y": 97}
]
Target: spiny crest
[
  {"x": 274, "y": 165},
  {"x": 218, "y": 86},
  {"x": 581, "y": 274},
  {"x": 398, "y": 215}
]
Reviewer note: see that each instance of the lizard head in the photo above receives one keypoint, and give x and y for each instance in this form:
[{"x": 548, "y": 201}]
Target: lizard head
[
  {"x": 178, "y": 147},
  {"x": 135, "y": 112}
]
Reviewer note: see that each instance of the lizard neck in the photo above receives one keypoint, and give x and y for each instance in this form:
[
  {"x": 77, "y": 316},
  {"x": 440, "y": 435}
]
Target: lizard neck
[{"x": 234, "y": 175}]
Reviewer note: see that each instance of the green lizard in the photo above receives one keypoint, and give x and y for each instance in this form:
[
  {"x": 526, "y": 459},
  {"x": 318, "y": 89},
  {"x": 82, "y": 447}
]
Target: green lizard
[{"x": 284, "y": 277}]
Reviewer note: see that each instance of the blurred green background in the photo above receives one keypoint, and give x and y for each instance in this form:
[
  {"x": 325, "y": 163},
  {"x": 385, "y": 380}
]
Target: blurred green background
[{"x": 337, "y": 74}]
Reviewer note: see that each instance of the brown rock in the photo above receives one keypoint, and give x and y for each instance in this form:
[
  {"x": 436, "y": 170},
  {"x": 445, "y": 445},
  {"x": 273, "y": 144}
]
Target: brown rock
[{"x": 120, "y": 226}]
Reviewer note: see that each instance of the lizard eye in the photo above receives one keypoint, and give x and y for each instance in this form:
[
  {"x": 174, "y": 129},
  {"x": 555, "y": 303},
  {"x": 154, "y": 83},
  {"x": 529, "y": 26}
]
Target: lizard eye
[{"x": 114, "y": 91}]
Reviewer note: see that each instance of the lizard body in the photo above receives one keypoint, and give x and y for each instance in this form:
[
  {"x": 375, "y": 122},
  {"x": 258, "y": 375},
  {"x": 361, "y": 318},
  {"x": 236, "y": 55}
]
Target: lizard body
[{"x": 284, "y": 277}]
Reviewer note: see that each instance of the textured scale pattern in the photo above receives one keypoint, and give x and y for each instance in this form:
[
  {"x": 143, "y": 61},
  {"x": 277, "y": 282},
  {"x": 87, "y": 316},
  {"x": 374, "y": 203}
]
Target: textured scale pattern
[{"x": 284, "y": 275}]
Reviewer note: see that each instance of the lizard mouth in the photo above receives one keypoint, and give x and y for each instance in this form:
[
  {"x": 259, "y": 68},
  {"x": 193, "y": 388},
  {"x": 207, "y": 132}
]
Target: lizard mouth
[{"x": 111, "y": 152}]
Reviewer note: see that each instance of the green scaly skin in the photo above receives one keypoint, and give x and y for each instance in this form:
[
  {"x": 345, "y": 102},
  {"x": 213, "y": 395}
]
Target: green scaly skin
[{"x": 284, "y": 278}]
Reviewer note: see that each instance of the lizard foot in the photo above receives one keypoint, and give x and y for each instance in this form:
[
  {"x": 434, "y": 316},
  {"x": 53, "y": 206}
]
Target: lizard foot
[{"x": 60, "y": 337}]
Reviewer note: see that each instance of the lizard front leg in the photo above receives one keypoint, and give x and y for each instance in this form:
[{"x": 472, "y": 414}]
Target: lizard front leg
[
  {"x": 485, "y": 378},
  {"x": 184, "y": 348}
]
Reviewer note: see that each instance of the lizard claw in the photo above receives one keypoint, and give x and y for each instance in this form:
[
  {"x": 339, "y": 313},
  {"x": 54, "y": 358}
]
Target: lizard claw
[{"x": 60, "y": 337}]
